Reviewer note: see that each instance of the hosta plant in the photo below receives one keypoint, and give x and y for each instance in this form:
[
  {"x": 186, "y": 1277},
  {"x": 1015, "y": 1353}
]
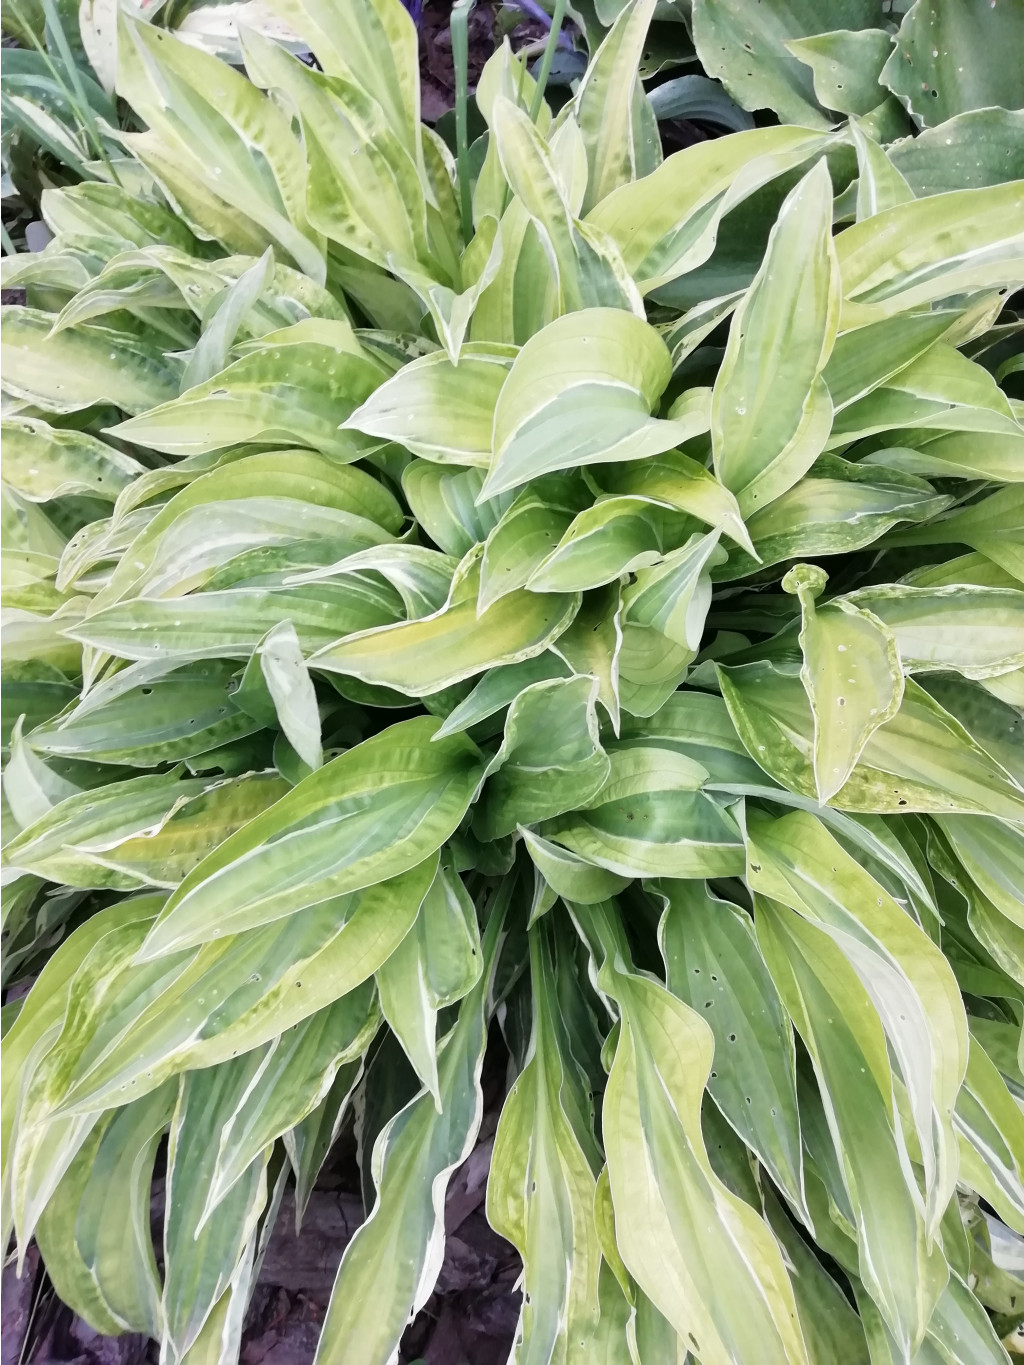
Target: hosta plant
[{"x": 553, "y": 599}]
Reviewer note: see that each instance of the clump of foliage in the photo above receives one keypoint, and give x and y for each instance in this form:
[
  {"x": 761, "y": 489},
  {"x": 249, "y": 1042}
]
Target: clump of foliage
[{"x": 550, "y": 594}]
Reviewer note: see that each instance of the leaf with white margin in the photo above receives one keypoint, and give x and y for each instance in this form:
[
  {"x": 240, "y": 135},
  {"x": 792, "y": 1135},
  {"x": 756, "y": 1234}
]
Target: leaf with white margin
[
  {"x": 435, "y": 965},
  {"x": 618, "y": 124},
  {"x": 703, "y": 1256},
  {"x": 201, "y": 1260},
  {"x": 768, "y": 426},
  {"x": 390, "y": 1266},
  {"x": 234, "y": 143},
  {"x": 677, "y": 480},
  {"x": 377, "y": 810},
  {"x": 652, "y": 820},
  {"x": 930, "y": 249},
  {"x": 281, "y": 1083},
  {"x": 550, "y": 759},
  {"x": 284, "y": 674},
  {"x": 713, "y": 964},
  {"x": 991, "y": 1130},
  {"x": 667, "y": 223},
  {"x": 850, "y": 697},
  {"x": 796, "y": 861},
  {"x": 843, "y": 1034},
  {"x": 587, "y": 269},
  {"x": 581, "y": 391},
  {"x": 541, "y": 1187},
  {"x": 95, "y": 1231},
  {"x": 423, "y": 656},
  {"x": 976, "y": 631},
  {"x": 43, "y": 462},
  {"x": 569, "y": 876},
  {"x": 439, "y": 410}
]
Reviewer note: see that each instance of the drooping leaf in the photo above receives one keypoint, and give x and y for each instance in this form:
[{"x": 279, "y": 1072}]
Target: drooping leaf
[
  {"x": 389, "y": 1268},
  {"x": 343, "y": 826},
  {"x": 714, "y": 966},
  {"x": 687, "y": 1240}
]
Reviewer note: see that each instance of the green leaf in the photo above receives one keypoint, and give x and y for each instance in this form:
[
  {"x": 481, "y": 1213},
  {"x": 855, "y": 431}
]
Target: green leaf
[
  {"x": 239, "y": 992},
  {"x": 292, "y": 476},
  {"x": 667, "y": 223},
  {"x": 592, "y": 643},
  {"x": 41, "y": 1015},
  {"x": 541, "y": 1187},
  {"x": 966, "y": 152},
  {"x": 436, "y": 965},
  {"x": 766, "y": 434},
  {"x": 68, "y": 842},
  {"x": 421, "y": 657},
  {"x": 221, "y": 133},
  {"x": 712, "y": 964},
  {"x": 612, "y": 109},
  {"x": 698, "y": 726},
  {"x": 955, "y": 57},
  {"x": 910, "y": 984},
  {"x": 941, "y": 389},
  {"x": 43, "y": 462},
  {"x": 702, "y": 1255},
  {"x": 389, "y": 1268},
  {"x": 850, "y": 697},
  {"x": 550, "y": 758},
  {"x": 991, "y": 525},
  {"x": 842, "y": 1032},
  {"x": 73, "y": 369},
  {"x": 863, "y": 359},
  {"x": 652, "y": 820},
  {"x": 845, "y": 67},
  {"x": 42, "y": 1147},
  {"x": 296, "y": 388},
  {"x": 421, "y": 577},
  {"x": 747, "y": 50},
  {"x": 439, "y": 410},
  {"x": 384, "y": 806},
  {"x": 880, "y": 186}
]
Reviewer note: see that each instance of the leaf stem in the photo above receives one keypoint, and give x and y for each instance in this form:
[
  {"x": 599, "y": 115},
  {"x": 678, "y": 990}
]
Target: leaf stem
[
  {"x": 460, "y": 59},
  {"x": 549, "y": 55}
]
